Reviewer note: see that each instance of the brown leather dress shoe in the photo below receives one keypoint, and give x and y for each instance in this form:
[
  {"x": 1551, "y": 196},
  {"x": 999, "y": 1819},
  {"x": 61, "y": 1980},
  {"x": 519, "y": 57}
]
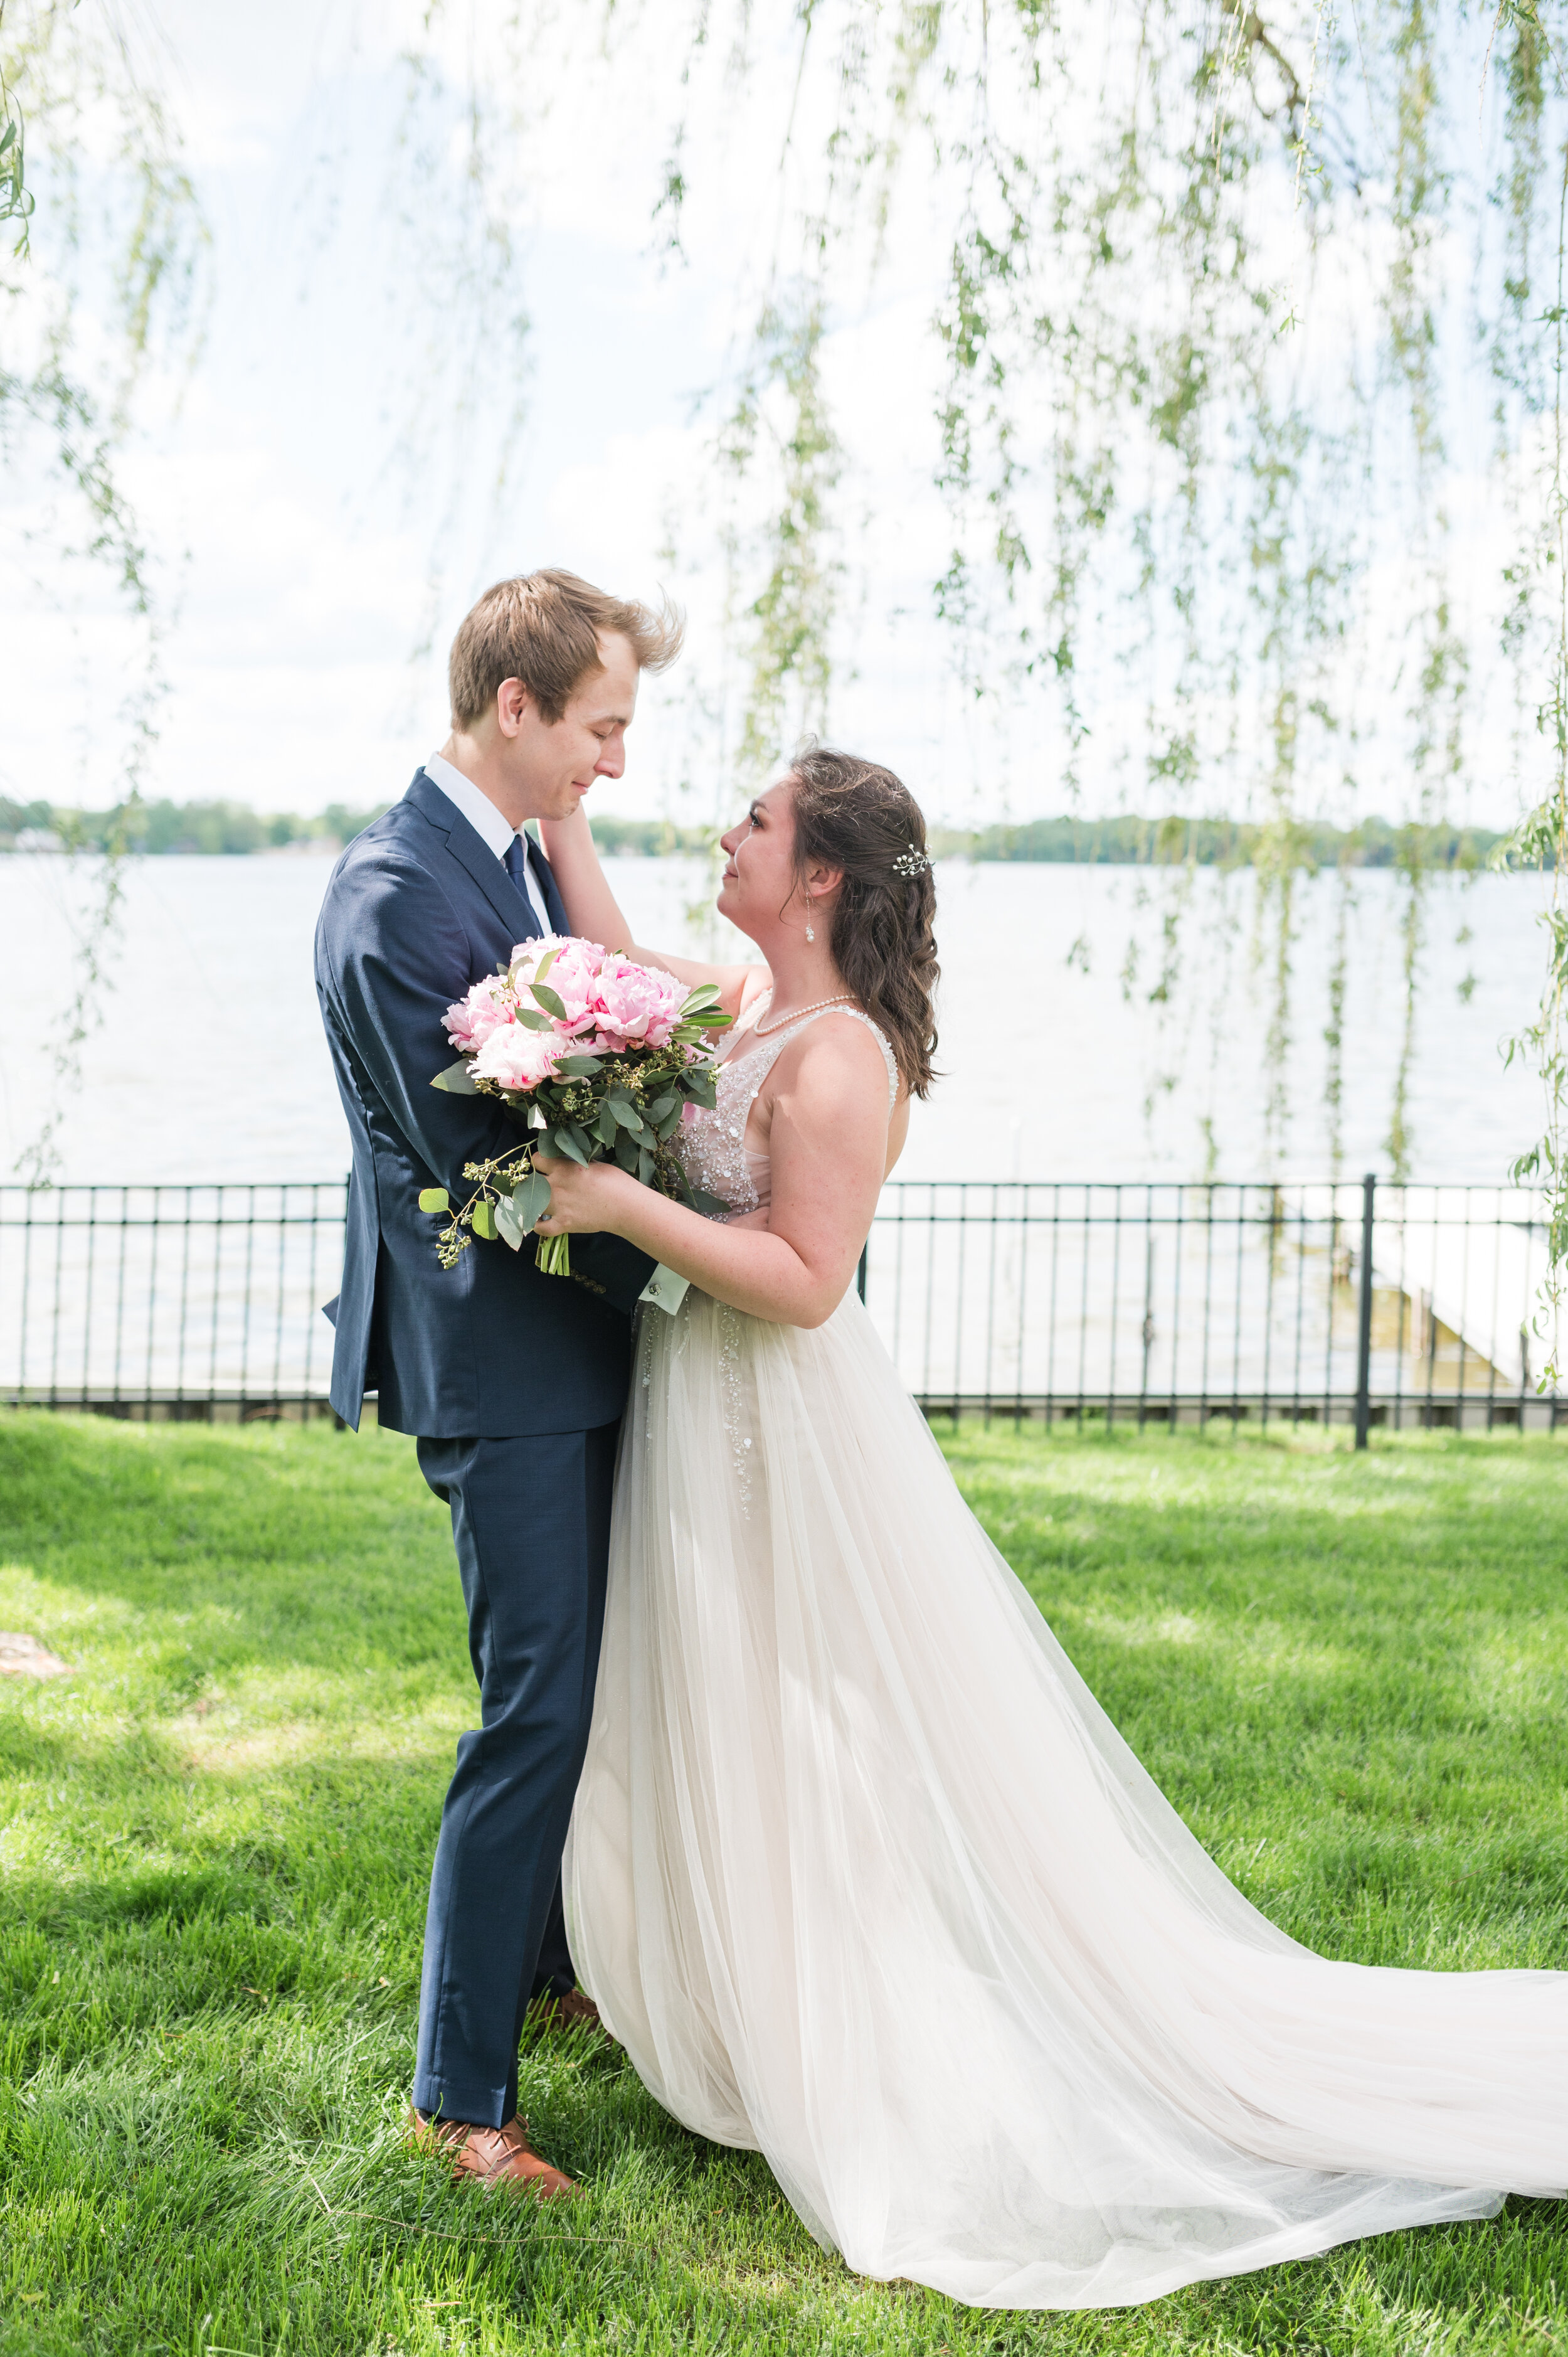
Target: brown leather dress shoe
[
  {"x": 490, "y": 2157},
  {"x": 575, "y": 2010}
]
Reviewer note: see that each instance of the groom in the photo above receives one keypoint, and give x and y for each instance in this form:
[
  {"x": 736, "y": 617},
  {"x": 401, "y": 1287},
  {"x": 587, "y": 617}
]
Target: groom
[{"x": 513, "y": 1382}]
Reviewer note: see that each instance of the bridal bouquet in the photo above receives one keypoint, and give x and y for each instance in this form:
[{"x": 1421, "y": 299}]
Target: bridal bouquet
[{"x": 599, "y": 1057}]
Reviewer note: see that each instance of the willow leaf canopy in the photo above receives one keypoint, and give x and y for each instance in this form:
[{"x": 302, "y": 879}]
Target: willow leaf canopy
[{"x": 1244, "y": 331}]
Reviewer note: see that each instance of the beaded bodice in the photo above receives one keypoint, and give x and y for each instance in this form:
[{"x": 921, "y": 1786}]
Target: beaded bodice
[{"x": 713, "y": 1145}]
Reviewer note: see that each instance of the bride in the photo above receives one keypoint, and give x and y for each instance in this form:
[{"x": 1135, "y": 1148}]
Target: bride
[{"x": 859, "y": 1871}]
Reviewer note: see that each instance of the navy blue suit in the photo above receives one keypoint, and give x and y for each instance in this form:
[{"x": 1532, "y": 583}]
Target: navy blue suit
[{"x": 514, "y": 1383}]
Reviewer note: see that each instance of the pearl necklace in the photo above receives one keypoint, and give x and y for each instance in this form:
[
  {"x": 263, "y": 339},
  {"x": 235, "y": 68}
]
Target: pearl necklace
[{"x": 760, "y": 1032}]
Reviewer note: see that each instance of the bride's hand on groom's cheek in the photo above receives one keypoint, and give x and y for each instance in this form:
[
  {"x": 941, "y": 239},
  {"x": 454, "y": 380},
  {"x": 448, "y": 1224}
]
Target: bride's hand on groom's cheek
[{"x": 582, "y": 1202}]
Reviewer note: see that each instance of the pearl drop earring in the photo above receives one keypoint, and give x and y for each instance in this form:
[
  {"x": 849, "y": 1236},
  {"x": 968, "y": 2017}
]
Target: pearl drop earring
[{"x": 810, "y": 932}]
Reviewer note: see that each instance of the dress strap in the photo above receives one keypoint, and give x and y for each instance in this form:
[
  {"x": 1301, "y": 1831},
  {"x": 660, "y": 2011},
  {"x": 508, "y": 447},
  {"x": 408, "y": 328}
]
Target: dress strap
[{"x": 746, "y": 1025}]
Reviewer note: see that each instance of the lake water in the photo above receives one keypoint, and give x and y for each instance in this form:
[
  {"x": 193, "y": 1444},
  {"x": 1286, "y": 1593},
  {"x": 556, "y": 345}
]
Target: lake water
[{"x": 208, "y": 1061}]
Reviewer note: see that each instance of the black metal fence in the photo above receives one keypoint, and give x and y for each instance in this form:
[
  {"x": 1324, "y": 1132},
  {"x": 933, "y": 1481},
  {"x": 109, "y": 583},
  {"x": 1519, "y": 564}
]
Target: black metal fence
[
  {"x": 1156, "y": 1303},
  {"x": 1168, "y": 1303},
  {"x": 169, "y": 1301}
]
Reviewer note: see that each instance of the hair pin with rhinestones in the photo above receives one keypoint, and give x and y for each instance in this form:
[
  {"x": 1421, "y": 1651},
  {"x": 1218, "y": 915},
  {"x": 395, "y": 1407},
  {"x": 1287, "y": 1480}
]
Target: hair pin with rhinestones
[{"x": 912, "y": 862}]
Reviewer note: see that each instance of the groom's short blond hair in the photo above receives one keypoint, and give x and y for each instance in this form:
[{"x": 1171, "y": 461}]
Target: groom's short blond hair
[{"x": 544, "y": 628}]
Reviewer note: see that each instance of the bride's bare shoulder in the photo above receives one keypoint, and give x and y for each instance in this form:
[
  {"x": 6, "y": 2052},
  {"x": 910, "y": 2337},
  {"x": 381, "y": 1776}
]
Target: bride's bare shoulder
[{"x": 837, "y": 1061}]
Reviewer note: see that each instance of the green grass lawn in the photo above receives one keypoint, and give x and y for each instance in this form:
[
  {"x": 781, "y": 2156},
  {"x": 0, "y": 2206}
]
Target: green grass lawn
[{"x": 1348, "y": 1674}]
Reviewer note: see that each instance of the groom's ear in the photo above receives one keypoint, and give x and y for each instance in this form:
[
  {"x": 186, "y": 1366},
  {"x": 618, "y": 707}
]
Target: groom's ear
[{"x": 514, "y": 703}]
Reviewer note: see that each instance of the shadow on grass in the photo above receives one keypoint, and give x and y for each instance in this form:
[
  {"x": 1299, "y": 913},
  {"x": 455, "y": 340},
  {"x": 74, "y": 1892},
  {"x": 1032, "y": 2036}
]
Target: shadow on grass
[{"x": 314, "y": 1546}]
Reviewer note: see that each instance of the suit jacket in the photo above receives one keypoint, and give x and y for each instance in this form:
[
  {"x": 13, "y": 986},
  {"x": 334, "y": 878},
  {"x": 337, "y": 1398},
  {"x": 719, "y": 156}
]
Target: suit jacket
[{"x": 418, "y": 910}]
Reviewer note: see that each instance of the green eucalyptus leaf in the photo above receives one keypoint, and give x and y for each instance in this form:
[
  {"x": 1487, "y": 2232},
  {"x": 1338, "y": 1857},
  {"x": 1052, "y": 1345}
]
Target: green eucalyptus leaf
[
  {"x": 582, "y": 1068},
  {"x": 532, "y": 1199},
  {"x": 435, "y": 1198},
  {"x": 607, "y": 1128},
  {"x": 624, "y": 1112},
  {"x": 531, "y": 1020},
  {"x": 549, "y": 999},
  {"x": 457, "y": 1080},
  {"x": 509, "y": 1227},
  {"x": 484, "y": 1222},
  {"x": 567, "y": 1143}
]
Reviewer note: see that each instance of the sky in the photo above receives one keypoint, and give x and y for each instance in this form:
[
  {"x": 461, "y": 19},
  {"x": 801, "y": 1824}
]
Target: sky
[
  {"x": 318, "y": 489},
  {"x": 294, "y": 542}
]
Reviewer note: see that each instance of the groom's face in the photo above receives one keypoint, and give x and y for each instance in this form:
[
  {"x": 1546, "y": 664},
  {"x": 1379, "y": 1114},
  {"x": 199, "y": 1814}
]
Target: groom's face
[{"x": 553, "y": 763}]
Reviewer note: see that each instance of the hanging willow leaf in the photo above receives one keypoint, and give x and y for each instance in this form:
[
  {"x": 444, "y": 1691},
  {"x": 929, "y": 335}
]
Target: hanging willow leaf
[{"x": 1130, "y": 217}]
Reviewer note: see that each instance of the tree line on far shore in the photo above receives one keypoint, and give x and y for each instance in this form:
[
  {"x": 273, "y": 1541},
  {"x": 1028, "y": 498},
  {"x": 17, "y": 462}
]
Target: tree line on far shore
[
  {"x": 234, "y": 829},
  {"x": 214, "y": 828},
  {"x": 224, "y": 828}
]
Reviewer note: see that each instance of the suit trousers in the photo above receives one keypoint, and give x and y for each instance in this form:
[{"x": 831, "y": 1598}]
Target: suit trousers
[{"x": 531, "y": 1517}]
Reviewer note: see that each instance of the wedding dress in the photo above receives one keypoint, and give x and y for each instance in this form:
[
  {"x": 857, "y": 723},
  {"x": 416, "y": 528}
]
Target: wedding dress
[{"x": 866, "y": 1881}]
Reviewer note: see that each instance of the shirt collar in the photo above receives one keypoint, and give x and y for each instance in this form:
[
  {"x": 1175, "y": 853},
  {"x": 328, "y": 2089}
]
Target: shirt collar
[{"x": 477, "y": 808}]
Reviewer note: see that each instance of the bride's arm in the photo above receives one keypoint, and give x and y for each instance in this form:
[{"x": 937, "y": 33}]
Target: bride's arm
[
  {"x": 593, "y": 910},
  {"x": 828, "y": 1148}
]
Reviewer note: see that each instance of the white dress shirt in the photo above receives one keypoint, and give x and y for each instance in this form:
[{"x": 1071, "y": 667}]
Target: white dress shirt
[{"x": 487, "y": 823}]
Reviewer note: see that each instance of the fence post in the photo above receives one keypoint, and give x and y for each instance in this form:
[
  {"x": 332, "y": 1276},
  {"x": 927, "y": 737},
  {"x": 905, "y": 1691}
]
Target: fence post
[
  {"x": 1364, "y": 1328},
  {"x": 860, "y": 1272}
]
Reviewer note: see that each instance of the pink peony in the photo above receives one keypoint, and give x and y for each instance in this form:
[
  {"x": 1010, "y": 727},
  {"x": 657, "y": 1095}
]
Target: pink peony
[
  {"x": 517, "y": 1057},
  {"x": 570, "y": 975},
  {"x": 636, "y": 1005},
  {"x": 471, "y": 1021}
]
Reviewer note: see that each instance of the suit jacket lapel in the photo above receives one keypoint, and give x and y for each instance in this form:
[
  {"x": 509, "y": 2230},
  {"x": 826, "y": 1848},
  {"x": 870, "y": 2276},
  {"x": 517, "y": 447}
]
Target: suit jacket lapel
[{"x": 513, "y": 908}]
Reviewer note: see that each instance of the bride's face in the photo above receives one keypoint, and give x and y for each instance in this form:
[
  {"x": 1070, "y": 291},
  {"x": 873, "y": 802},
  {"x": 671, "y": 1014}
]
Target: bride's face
[{"x": 760, "y": 876}]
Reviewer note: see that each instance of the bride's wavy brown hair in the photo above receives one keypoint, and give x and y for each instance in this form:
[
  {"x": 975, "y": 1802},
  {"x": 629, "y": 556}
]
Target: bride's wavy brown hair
[{"x": 856, "y": 816}]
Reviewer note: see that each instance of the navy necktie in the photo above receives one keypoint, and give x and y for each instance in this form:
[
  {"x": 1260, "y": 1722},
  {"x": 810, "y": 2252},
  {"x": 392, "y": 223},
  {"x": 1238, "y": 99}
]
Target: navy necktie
[{"x": 515, "y": 861}]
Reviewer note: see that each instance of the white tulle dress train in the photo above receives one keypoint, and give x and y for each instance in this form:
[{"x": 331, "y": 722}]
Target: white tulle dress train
[{"x": 865, "y": 1880}]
